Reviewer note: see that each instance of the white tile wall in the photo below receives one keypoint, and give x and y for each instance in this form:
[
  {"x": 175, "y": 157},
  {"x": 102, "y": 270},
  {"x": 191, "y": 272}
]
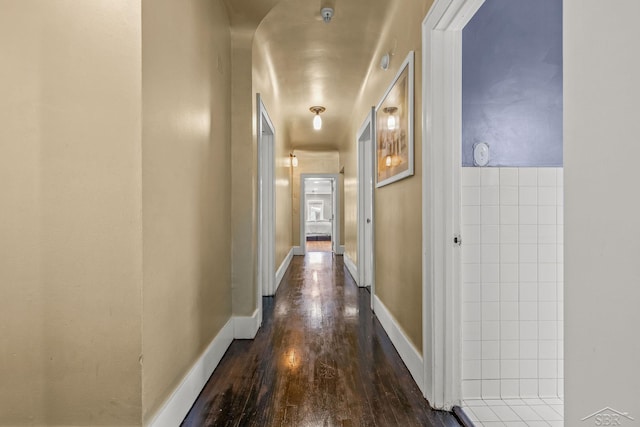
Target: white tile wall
[{"x": 512, "y": 273}]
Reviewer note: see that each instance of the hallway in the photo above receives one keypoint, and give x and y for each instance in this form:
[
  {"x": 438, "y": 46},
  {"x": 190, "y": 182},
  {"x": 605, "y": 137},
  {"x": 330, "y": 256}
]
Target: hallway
[{"x": 320, "y": 358}]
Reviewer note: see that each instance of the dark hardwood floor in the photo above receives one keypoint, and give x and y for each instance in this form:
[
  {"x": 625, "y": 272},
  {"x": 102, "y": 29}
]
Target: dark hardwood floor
[
  {"x": 320, "y": 359},
  {"x": 318, "y": 246}
]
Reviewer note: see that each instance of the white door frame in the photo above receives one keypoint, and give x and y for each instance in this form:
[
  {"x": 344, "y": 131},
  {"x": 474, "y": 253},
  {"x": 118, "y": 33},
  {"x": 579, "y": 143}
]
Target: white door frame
[
  {"x": 266, "y": 204},
  {"x": 335, "y": 226},
  {"x": 442, "y": 111},
  {"x": 366, "y": 133}
]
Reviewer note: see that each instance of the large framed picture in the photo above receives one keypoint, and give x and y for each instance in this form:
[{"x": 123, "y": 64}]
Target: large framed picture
[{"x": 394, "y": 128}]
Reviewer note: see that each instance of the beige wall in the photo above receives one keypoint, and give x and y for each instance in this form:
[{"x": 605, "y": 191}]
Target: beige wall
[
  {"x": 309, "y": 162},
  {"x": 349, "y": 158},
  {"x": 186, "y": 177},
  {"x": 265, "y": 84},
  {"x": 602, "y": 232},
  {"x": 243, "y": 176},
  {"x": 85, "y": 200},
  {"x": 398, "y": 206},
  {"x": 70, "y": 223},
  {"x": 283, "y": 202},
  {"x": 252, "y": 74}
]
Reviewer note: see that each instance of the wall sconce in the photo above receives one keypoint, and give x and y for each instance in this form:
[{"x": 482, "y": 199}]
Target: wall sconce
[
  {"x": 293, "y": 160},
  {"x": 317, "y": 120}
]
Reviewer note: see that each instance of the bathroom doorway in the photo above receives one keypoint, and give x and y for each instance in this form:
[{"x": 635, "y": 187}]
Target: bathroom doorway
[
  {"x": 318, "y": 213},
  {"x": 498, "y": 245}
]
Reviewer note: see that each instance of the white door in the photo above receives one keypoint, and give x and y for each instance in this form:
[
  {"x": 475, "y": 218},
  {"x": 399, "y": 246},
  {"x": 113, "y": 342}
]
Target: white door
[
  {"x": 334, "y": 224},
  {"x": 366, "y": 142},
  {"x": 368, "y": 212},
  {"x": 266, "y": 204}
]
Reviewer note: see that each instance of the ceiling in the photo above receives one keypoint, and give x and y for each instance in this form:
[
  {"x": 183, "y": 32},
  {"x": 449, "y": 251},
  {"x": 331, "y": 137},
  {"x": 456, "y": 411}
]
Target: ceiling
[
  {"x": 315, "y": 63},
  {"x": 317, "y": 185}
]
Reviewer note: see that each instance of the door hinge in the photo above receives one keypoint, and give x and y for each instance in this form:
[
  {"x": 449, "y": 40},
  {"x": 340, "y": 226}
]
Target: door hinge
[{"x": 457, "y": 239}]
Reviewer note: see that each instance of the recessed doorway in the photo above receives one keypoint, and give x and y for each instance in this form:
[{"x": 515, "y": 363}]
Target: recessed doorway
[
  {"x": 319, "y": 213},
  {"x": 493, "y": 224}
]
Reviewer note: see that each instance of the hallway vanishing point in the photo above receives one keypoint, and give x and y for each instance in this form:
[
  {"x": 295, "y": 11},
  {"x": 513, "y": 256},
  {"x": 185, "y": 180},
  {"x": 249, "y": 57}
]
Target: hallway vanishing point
[{"x": 321, "y": 358}]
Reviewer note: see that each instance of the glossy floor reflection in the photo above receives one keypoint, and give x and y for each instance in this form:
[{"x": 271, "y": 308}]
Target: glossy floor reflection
[
  {"x": 320, "y": 359},
  {"x": 318, "y": 246}
]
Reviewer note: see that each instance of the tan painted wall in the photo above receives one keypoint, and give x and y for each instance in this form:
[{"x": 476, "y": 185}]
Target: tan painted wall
[
  {"x": 70, "y": 223},
  {"x": 243, "y": 176},
  {"x": 309, "y": 162},
  {"x": 186, "y": 71},
  {"x": 252, "y": 74},
  {"x": 283, "y": 202},
  {"x": 349, "y": 158},
  {"x": 397, "y": 206},
  {"x": 264, "y": 84}
]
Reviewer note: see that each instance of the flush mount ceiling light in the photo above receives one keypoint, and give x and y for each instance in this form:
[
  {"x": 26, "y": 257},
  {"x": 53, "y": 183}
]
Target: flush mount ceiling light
[
  {"x": 327, "y": 14},
  {"x": 317, "y": 120}
]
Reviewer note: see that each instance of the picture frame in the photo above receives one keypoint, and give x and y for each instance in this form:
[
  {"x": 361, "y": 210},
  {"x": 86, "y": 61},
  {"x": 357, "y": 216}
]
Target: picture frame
[{"x": 394, "y": 127}]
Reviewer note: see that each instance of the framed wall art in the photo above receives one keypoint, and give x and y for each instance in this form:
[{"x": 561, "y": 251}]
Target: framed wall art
[{"x": 394, "y": 128}]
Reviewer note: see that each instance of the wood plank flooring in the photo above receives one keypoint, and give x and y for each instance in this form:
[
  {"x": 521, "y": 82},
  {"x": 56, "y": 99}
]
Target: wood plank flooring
[
  {"x": 320, "y": 359},
  {"x": 319, "y": 246}
]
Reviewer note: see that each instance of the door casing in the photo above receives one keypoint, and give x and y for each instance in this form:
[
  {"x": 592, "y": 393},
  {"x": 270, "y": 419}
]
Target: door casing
[
  {"x": 266, "y": 204},
  {"x": 441, "y": 121},
  {"x": 366, "y": 185}
]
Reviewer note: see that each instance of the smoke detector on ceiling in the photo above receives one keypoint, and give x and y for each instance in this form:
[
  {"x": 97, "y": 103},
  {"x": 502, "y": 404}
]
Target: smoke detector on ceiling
[{"x": 327, "y": 14}]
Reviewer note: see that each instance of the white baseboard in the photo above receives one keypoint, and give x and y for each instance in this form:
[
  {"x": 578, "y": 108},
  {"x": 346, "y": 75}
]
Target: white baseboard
[
  {"x": 340, "y": 250},
  {"x": 408, "y": 352},
  {"x": 351, "y": 267},
  {"x": 246, "y": 327},
  {"x": 176, "y": 407},
  {"x": 283, "y": 268}
]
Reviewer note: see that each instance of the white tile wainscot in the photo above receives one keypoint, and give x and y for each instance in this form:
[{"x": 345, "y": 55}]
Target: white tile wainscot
[{"x": 512, "y": 270}]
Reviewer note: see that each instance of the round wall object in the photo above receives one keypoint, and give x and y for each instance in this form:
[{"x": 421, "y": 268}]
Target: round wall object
[
  {"x": 481, "y": 154},
  {"x": 384, "y": 61}
]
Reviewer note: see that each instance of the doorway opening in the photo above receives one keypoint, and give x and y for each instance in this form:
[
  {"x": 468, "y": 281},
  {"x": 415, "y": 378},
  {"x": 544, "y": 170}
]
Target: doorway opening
[
  {"x": 266, "y": 205},
  {"x": 366, "y": 167},
  {"x": 493, "y": 219},
  {"x": 319, "y": 216}
]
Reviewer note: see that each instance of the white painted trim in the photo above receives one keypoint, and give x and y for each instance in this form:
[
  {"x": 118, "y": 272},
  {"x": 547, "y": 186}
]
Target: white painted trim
[
  {"x": 283, "y": 268},
  {"x": 368, "y": 124},
  {"x": 246, "y": 327},
  {"x": 176, "y": 407},
  {"x": 407, "y": 351},
  {"x": 441, "y": 305},
  {"x": 297, "y": 250},
  {"x": 351, "y": 267},
  {"x": 266, "y": 203}
]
